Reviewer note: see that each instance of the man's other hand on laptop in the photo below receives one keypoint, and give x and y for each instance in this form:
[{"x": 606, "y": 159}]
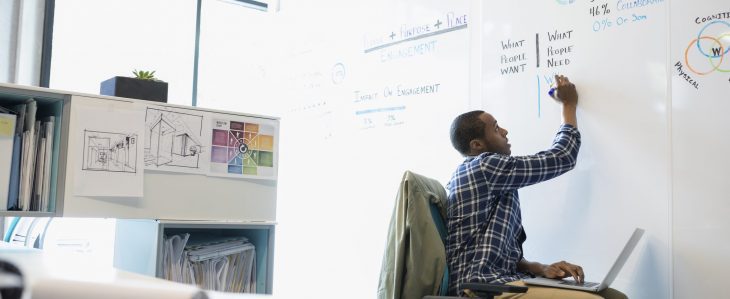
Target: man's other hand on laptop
[{"x": 562, "y": 270}]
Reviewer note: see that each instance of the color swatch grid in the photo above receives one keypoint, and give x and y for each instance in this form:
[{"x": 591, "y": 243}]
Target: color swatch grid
[{"x": 242, "y": 149}]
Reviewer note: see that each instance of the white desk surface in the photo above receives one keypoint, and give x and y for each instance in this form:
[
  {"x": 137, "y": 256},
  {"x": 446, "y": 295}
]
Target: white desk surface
[{"x": 38, "y": 266}]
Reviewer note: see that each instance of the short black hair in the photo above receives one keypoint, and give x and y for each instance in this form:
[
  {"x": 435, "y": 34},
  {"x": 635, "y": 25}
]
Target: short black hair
[{"x": 465, "y": 128}]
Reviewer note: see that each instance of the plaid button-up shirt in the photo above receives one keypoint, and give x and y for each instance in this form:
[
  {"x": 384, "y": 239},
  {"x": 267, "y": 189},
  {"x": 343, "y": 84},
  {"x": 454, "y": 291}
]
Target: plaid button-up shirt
[{"x": 485, "y": 233}]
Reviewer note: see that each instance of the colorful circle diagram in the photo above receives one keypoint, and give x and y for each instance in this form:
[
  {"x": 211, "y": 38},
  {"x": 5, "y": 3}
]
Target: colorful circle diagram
[
  {"x": 242, "y": 148},
  {"x": 707, "y": 53}
]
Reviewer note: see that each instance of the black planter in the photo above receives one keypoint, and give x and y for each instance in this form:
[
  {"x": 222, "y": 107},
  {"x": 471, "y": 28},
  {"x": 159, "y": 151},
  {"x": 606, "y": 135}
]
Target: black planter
[{"x": 135, "y": 88}]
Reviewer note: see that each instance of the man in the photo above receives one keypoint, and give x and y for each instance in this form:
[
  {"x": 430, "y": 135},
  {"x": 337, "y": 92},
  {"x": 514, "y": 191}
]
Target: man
[{"x": 485, "y": 232}]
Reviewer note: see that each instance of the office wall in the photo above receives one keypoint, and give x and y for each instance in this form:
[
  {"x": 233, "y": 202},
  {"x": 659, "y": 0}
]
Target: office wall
[
  {"x": 362, "y": 110},
  {"x": 21, "y": 34},
  {"x": 653, "y": 78},
  {"x": 8, "y": 25},
  {"x": 239, "y": 47},
  {"x": 357, "y": 108},
  {"x": 334, "y": 74},
  {"x": 96, "y": 40},
  {"x": 617, "y": 56},
  {"x": 650, "y": 148},
  {"x": 700, "y": 93}
]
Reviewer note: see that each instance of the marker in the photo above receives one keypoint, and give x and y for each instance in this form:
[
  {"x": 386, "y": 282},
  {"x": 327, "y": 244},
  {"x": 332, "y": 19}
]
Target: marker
[{"x": 552, "y": 91}]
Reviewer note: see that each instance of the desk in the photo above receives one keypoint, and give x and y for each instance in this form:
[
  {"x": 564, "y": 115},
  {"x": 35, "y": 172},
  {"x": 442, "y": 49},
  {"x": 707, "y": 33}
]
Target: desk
[{"x": 39, "y": 268}]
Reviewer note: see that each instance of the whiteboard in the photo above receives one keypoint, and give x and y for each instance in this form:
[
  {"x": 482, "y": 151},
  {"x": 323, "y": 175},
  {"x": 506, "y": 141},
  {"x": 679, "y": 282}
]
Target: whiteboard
[
  {"x": 649, "y": 135},
  {"x": 359, "y": 84},
  {"x": 615, "y": 52},
  {"x": 700, "y": 88}
]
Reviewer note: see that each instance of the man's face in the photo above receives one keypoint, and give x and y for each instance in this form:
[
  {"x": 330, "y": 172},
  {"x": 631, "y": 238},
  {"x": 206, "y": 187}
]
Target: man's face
[{"x": 495, "y": 137}]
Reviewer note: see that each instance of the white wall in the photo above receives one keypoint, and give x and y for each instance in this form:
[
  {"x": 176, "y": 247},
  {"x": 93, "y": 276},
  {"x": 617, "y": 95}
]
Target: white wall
[
  {"x": 8, "y": 30},
  {"x": 619, "y": 198},
  {"x": 21, "y": 34},
  {"x": 700, "y": 144},
  {"x": 96, "y": 40},
  {"x": 622, "y": 178},
  {"x": 341, "y": 162}
]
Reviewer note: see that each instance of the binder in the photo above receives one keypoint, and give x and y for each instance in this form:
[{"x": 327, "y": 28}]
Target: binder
[
  {"x": 41, "y": 179},
  {"x": 37, "y": 190},
  {"x": 7, "y": 139},
  {"x": 45, "y": 195},
  {"x": 14, "y": 188},
  {"x": 28, "y": 156},
  {"x": 27, "y": 166}
]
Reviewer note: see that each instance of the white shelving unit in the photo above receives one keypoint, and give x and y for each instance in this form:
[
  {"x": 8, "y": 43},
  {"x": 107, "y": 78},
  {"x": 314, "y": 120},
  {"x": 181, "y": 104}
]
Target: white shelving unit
[{"x": 172, "y": 202}]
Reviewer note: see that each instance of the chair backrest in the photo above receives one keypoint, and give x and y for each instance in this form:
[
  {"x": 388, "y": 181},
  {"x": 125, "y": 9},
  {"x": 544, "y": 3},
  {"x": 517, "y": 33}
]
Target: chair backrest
[
  {"x": 415, "y": 258},
  {"x": 438, "y": 220}
]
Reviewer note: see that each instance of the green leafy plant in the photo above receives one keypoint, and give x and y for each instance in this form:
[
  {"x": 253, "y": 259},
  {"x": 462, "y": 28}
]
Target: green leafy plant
[{"x": 145, "y": 75}]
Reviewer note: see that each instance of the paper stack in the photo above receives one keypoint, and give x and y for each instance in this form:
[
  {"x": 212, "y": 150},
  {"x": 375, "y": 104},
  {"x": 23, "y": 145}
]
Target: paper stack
[
  {"x": 28, "y": 150},
  {"x": 221, "y": 264}
]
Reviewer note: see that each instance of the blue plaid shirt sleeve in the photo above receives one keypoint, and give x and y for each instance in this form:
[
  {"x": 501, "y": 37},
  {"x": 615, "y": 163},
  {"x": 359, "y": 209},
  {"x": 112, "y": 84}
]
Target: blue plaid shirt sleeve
[{"x": 514, "y": 172}]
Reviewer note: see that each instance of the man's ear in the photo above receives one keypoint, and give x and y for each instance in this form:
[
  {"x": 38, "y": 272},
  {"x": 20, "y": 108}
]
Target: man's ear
[{"x": 477, "y": 146}]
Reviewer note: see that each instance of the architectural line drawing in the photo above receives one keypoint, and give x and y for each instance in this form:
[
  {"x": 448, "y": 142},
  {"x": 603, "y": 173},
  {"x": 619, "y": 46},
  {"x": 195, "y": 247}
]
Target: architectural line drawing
[
  {"x": 172, "y": 139},
  {"x": 109, "y": 152}
]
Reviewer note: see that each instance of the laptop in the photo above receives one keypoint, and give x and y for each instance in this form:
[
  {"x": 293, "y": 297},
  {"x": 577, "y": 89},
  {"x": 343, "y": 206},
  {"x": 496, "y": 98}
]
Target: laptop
[{"x": 569, "y": 283}]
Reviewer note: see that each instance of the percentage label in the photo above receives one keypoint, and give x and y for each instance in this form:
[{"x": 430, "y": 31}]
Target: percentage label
[
  {"x": 601, "y": 25},
  {"x": 600, "y": 9}
]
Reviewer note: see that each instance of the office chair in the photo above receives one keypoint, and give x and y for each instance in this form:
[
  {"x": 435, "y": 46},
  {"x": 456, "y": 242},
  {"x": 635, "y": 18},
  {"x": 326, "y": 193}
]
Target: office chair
[{"x": 414, "y": 263}]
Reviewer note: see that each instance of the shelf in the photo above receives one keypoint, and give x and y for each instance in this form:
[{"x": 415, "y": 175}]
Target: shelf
[
  {"x": 49, "y": 104},
  {"x": 27, "y": 214},
  {"x": 139, "y": 243},
  {"x": 207, "y": 202}
]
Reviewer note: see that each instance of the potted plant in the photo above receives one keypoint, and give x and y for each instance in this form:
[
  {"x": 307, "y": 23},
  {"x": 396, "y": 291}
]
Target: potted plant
[{"x": 143, "y": 86}]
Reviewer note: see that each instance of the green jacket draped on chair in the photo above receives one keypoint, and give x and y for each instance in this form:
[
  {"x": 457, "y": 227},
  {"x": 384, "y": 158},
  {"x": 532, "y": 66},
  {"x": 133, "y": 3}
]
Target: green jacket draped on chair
[{"x": 415, "y": 258}]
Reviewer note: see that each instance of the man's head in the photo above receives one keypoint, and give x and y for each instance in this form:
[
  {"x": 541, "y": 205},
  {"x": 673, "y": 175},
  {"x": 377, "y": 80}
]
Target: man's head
[{"x": 476, "y": 132}]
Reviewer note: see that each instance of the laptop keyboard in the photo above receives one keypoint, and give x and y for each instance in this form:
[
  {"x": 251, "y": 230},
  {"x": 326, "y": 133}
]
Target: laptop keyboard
[{"x": 575, "y": 283}]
